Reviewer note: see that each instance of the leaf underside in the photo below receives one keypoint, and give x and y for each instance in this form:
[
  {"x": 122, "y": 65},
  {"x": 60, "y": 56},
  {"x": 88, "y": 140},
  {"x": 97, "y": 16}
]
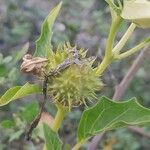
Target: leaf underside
[
  {"x": 43, "y": 43},
  {"x": 19, "y": 92},
  {"x": 108, "y": 115}
]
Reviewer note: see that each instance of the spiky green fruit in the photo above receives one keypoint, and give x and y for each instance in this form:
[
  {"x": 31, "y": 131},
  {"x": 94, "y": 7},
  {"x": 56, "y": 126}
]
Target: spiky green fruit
[{"x": 75, "y": 84}]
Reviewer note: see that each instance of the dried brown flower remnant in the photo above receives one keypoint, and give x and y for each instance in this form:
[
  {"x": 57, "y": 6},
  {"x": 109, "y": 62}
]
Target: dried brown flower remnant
[{"x": 32, "y": 65}]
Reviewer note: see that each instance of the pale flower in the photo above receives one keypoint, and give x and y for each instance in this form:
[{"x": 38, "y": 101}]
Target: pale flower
[{"x": 137, "y": 11}]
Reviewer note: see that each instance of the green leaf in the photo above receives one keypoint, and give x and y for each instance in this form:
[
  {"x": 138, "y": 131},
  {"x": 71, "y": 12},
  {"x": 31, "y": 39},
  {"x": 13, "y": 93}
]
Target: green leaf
[
  {"x": 43, "y": 43},
  {"x": 30, "y": 111},
  {"x": 7, "y": 124},
  {"x": 3, "y": 70},
  {"x": 51, "y": 138},
  {"x": 108, "y": 115},
  {"x": 19, "y": 92}
]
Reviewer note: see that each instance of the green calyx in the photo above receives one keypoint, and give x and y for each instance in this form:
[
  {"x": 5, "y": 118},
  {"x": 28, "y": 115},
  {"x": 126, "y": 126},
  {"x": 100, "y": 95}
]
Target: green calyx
[
  {"x": 77, "y": 83},
  {"x": 115, "y": 5}
]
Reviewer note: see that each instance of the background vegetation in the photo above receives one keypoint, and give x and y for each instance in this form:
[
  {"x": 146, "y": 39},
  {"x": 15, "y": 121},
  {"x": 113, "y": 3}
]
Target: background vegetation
[{"x": 84, "y": 23}]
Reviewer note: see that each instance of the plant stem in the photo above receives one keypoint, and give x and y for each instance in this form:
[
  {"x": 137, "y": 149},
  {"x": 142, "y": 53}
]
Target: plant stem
[
  {"x": 61, "y": 113},
  {"x": 124, "y": 39},
  {"x": 113, "y": 30},
  {"x": 78, "y": 145},
  {"x": 104, "y": 64},
  {"x": 132, "y": 50},
  {"x": 116, "y": 21}
]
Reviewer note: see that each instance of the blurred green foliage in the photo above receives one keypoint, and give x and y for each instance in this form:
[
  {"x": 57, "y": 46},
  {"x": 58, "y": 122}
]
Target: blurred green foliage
[
  {"x": 13, "y": 128},
  {"x": 83, "y": 22},
  {"x": 9, "y": 74},
  {"x": 17, "y": 23}
]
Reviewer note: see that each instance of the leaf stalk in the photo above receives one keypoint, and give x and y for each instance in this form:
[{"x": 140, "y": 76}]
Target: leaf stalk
[{"x": 124, "y": 39}]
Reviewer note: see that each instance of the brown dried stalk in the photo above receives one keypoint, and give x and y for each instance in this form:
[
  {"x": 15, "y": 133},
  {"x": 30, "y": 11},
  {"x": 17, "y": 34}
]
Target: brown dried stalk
[
  {"x": 32, "y": 65},
  {"x": 38, "y": 117}
]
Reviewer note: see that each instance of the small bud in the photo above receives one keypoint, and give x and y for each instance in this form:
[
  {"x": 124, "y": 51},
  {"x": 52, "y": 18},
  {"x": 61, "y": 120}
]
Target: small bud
[
  {"x": 32, "y": 65},
  {"x": 137, "y": 11}
]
